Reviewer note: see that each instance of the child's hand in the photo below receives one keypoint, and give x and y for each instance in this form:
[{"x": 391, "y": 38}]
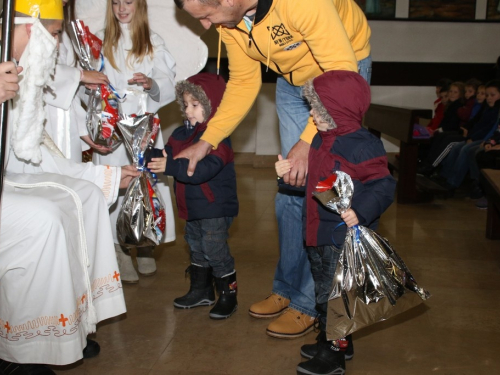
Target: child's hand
[
  {"x": 282, "y": 166},
  {"x": 487, "y": 147},
  {"x": 158, "y": 165},
  {"x": 350, "y": 218}
]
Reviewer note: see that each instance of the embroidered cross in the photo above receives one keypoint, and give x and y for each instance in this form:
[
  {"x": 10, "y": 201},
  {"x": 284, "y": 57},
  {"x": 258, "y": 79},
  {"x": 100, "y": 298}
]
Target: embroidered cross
[
  {"x": 83, "y": 298},
  {"x": 63, "y": 320},
  {"x": 116, "y": 276},
  {"x": 7, "y": 327}
]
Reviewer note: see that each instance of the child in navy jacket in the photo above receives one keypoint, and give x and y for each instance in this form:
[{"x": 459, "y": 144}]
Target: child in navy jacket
[
  {"x": 207, "y": 200},
  {"x": 339, "y": 100}
]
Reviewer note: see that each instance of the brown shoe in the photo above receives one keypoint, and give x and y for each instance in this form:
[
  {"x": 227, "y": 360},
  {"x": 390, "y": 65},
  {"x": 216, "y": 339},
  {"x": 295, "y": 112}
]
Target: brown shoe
[
  {"x": 272, "y": 306},
  {"x": 290, "y": 325}
]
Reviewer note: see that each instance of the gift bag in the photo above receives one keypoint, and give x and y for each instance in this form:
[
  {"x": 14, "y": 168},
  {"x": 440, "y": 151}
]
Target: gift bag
[
  {"x": 103, "y": 106},
  {"x": 141, "y": 220},
  {"x": 371, "y": 283}
]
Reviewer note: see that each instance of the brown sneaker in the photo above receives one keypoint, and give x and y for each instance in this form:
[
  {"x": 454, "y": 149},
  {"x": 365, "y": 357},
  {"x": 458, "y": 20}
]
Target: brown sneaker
[
  {"x": 272, "y": 306},
  {"x": 290, "y": 325}
]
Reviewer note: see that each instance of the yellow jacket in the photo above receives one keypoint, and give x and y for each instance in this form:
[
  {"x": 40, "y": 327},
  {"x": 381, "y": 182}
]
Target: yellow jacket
[{"x": 298, "y": 39}]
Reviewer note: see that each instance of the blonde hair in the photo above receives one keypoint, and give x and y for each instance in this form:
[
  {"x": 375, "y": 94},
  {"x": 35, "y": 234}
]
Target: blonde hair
[{"x": 139, "y": 30}]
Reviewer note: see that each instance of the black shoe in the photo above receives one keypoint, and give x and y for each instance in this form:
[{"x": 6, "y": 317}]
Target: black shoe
[
  {"x": 226, "y": 304},
  {"x": 476, "y": 192},
  {"x": 10, "y": 368},
  {"x": 91, "y": 350},
  {"x": 309, "y": 350},
  {"x": 201, "y": 291},
  {"x": 329, "y": 360}
]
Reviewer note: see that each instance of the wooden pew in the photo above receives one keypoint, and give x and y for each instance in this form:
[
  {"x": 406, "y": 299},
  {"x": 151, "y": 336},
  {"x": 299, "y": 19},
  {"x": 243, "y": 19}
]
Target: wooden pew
[
  {"x": 397, "y": 122},
  {"x": 490, "y": 180}
]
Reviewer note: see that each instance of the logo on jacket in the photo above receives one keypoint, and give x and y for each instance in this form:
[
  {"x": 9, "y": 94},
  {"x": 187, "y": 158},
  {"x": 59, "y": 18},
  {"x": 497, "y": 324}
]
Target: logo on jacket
[
  {"x": 280, "y": 35},
  {"x": 292, "y": 46}
]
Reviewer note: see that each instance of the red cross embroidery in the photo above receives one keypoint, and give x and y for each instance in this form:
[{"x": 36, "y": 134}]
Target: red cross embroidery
[
  {"x": 7, "y": 327},
  {"x": 63, "y": 320},
  {"x": 116, "y": 276}
]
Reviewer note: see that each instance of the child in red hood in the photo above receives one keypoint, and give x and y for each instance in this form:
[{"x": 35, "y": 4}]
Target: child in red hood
[
  {"x": 207, "y": 200},
  {"x": 338, "y": 99}
]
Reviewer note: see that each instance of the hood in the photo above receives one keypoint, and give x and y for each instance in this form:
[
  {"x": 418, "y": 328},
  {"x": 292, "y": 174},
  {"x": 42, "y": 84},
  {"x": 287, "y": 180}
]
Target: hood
[
  {"x": 340, "y": 97},
  {"x": 207, "y": 88}
]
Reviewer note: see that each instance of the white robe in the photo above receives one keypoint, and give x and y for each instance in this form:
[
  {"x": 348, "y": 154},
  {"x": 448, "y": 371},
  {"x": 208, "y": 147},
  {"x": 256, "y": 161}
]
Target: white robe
[
  {"x": 56, "y": 249},
  {"x": 160, "y": 68},
  {"x": 65, "y": 115}
]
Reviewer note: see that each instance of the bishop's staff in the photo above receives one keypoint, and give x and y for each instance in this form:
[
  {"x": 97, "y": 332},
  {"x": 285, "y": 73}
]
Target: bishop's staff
[{"x": 7, "y": 17}]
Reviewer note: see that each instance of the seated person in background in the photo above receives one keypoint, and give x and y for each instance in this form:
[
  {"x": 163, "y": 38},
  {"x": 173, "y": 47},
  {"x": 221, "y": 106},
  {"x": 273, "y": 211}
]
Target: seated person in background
[
  {"x": 439, "y": 109},
  {"x": 461, "y": 158},
  {"x": 465, "y": 112},
  {"x": 488, "y": 157},
  {"x": 443, "y": 142},
  {"x": 451, "y": 119}
]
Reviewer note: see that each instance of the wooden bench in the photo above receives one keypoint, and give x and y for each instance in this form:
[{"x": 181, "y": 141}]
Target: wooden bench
[
  {"x": 490, "y": 180},
  {"x": 397, "y": 122}
]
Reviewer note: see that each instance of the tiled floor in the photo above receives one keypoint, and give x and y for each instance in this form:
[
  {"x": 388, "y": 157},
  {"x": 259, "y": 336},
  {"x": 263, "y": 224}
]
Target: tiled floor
[{"x": 456, "y": 332}]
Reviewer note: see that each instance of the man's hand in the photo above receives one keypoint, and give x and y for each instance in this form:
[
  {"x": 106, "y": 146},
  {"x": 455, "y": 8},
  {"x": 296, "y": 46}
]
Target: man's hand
[
  {"x": 9, "y": 80},
  {"x": 128, "y": 173},
  {"x": 350, "y": 218},
  {"x": 194, "y": 153},
  {"x": 298, "y": 156}
]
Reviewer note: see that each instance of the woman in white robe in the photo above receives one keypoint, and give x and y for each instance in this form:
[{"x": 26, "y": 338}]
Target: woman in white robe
[{"x": 160, "y": 68}]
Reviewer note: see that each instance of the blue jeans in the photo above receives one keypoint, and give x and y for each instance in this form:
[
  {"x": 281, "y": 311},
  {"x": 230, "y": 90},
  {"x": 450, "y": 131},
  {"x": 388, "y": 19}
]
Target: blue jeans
[
  {"x": 207, "y": 240},
  {"x": 456, "y": 163},
  {"x": 324, "y": 261},
  {"x": 293, "y": 278}
]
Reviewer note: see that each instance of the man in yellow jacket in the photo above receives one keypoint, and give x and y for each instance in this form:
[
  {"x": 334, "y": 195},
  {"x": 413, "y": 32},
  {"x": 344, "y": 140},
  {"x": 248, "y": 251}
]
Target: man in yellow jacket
[{"x": 299, "y": 40}]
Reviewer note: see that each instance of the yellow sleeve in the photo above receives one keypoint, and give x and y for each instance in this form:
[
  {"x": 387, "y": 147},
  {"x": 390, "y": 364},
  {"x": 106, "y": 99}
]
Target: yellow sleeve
[
  {"x": 319, "y": 23},
  {"x": 241, "y": 91},
  {"x": 309, "y": 131}
]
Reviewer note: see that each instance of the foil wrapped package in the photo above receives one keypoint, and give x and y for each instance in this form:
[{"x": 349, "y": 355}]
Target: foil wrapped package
[
  {"x": 103, "y": 105},
  {"x": 371, "y": 283},
  {"x": 141, "y": 220}
]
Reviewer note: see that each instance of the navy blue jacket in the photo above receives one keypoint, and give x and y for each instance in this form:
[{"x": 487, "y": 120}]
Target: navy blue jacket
[
  {"x": 211, "y": 191},
  {"x": 361, "y": 155}
]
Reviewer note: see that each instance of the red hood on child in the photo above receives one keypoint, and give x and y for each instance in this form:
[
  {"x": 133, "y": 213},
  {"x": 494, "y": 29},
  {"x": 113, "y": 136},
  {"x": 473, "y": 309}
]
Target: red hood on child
[
  {"x": 207, "y": 88},
  {"x": 341, "y": 96}
]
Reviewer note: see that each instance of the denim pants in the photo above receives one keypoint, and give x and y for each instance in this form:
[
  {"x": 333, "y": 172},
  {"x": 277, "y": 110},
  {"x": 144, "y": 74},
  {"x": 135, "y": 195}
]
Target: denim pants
[
  {"x": 293, "y": 279},
  {"x": 324, "y": 261},
  {"x": 207, "y": 240},
  {"x": 456, "y": 163}
]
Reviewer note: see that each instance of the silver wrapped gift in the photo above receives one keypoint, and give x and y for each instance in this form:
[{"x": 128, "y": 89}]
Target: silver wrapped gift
[
  {"x": 371, "y": 283},
  {"x": 103, "y": 105},
  {"x": 141, "y": 220}
]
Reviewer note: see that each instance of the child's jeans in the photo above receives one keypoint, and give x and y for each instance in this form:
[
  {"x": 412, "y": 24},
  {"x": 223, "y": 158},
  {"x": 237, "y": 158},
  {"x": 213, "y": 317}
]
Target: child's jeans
[
  {"x": 324, "y": 261},
  {"x": 207, "y": 240}
]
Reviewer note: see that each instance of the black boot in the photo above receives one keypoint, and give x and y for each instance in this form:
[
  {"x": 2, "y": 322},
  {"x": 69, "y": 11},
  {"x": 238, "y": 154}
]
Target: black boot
[
  {"x": 309, "y": 350},
  {"x": 201, "y": 291},
  {"x": 226, "y": 304},
  {"x": 329, "y": 360}
]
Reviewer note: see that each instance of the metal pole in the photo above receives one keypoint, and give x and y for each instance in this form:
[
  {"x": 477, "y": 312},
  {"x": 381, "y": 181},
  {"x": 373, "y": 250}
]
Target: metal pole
[{"x": 7, "y": 18}]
